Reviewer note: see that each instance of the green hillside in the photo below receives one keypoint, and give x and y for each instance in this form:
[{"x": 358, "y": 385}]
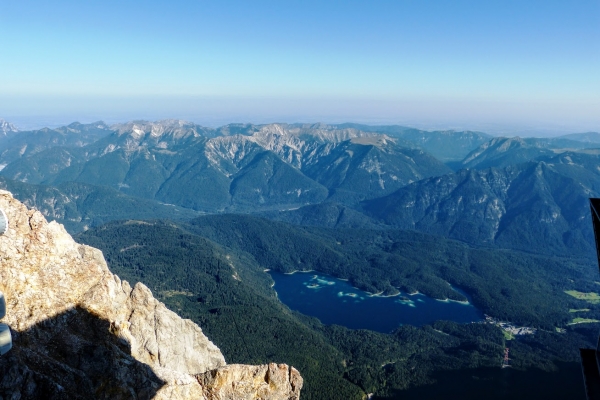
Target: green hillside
[
  {"x": 226, "y": 291},
  {"x": 510, "y": 285},
  {"x": 538, "y": 207},
  {"x": 79, "y": 206}
]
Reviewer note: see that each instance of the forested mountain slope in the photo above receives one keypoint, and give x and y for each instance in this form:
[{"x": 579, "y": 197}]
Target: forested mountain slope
[
  {"x": 326, "y": 214},
  {"x": 506, "y": 284},
  {"x": 502, "y": 152},
  {"x": 79, "y": 206},
  {"x": 225, "y": 289},
  {"x": 538, "y": 206},
  {"x": 271, "y": 166}
]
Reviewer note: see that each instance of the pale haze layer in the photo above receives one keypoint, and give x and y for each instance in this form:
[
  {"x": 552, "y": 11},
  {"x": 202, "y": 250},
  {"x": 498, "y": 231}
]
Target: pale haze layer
[{"x": 505, "y": 67}]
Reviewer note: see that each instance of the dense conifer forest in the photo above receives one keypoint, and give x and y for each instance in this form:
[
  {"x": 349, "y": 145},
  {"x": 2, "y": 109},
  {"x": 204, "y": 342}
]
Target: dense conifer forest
[{"x": 226, "y": 291}]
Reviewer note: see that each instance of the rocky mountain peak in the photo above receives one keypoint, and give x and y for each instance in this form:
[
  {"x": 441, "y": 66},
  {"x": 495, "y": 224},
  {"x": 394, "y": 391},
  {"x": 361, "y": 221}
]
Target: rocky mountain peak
[
  {"x": 7, "y": 127},
  {"x": 306, "y": 132},
  {"x": 78, "y": 127},
  {"x": 81, "y": 332},
  {"x": 174, "y": 129}
]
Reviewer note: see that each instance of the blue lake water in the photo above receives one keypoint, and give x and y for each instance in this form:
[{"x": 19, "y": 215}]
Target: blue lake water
[{"x": 334, "y": 301}]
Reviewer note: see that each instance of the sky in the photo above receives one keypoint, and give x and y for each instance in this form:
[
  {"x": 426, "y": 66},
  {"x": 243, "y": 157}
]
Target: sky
[{"x": 490, "y": 65}]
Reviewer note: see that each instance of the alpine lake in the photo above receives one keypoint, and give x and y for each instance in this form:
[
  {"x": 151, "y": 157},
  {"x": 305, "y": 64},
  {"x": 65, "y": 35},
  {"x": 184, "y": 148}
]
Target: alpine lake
[{"x": 335, "y": 301}]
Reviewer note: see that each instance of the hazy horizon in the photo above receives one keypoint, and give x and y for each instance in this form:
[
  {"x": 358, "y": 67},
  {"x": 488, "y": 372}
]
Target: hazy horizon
[
  {"x": 221, "y": 118},
  {"x": 526, "y": 68}
]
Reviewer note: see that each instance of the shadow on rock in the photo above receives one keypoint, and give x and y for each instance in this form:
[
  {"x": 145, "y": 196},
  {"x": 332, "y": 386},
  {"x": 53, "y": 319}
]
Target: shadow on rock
[{"x": 74, "y": 356}]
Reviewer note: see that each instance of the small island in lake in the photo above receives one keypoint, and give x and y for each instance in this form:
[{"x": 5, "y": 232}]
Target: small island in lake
[{"x": 341, "y": 294}]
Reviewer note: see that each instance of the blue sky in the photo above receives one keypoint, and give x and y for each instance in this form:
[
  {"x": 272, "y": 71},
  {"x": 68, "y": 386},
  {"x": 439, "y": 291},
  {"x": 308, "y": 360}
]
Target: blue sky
[{"x": 496, "y": 64}]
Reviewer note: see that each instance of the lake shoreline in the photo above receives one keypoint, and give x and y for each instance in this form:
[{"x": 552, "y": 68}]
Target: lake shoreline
[{"x": 335, "y": 301}]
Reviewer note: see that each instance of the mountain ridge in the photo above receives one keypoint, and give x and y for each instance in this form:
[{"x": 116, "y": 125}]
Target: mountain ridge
[
  {"x": 536, "y": 205},
  {"x": 175, "y": 162},
  {"x": 504, "y": 151}
]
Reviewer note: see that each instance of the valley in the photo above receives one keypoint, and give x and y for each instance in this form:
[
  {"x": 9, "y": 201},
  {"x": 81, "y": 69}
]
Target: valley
[{"x": 475, "y": 227}]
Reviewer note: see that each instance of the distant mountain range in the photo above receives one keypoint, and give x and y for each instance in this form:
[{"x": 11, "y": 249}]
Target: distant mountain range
[
  {"x": 237, "y": 167},
  {"x": 445, "y": 145},
  {"x": 525, "y": 193},
  {"x": 535, "y": 206},
  {"x": 28, "y": 143},
  {"x": 502, "y": 152},
  {"x": 592, "y": 137}
]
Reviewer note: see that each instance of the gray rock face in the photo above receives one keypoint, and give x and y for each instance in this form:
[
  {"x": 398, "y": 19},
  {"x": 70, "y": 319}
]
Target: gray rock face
[
  {"x": 81, "y": 332},
  {"x": 6, "y": 127}
]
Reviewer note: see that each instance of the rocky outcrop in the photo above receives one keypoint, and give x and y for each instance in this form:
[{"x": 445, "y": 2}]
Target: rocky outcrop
[
  {"x": 267, "y": 382},
  {"x": 6, "y": 127},
  {"x": 81, "y": 332}
]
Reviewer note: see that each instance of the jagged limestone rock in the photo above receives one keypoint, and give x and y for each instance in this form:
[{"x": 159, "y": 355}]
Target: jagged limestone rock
[
  {"x": 266, "y": 382},
  {"x": 81, "y": 332}
]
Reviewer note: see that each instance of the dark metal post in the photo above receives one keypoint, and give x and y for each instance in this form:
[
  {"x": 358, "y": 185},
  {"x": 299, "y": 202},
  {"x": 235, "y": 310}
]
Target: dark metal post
[{"x": 590, "y": 358}]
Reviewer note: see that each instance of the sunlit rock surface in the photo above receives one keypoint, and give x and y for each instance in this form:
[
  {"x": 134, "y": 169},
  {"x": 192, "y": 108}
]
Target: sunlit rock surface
[{"x": 81, "y": 332}]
